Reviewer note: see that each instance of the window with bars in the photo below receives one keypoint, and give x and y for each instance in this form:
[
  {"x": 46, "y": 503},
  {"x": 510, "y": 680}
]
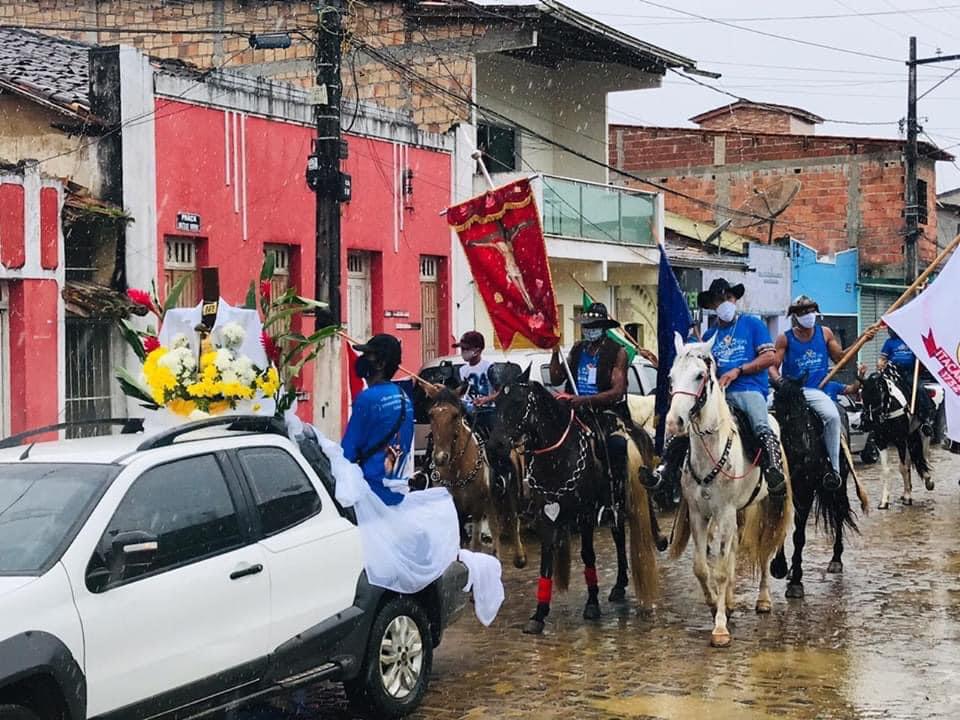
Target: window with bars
[
  {"x": 280, "y": 282},
  {"x": 89, "y": 372},
  {"x": 922, "y": 217},
  {"x": 180, "y": 260},
  {"x": 499, "y": 147}
]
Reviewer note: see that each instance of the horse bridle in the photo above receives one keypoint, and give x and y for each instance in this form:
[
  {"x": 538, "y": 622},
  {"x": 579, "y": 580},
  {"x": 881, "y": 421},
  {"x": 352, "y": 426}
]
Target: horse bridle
[
  {"x": 455, "y": 456},
  {"x": 700, "y": 396}
]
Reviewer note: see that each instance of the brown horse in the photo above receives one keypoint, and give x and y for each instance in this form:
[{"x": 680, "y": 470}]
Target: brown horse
[{"x": 460, "y": 464}]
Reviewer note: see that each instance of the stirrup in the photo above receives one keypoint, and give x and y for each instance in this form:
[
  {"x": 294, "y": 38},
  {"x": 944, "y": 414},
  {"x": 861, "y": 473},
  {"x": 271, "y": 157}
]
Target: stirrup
[
  {"x": 832, "y": 480},
  {"x": 652, "y": 479},
  {"x": 776, "y": 482}
]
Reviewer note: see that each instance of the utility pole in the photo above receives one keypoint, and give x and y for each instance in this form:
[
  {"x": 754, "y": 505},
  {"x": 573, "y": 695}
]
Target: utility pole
[
  {"x": 323, "y": 169},
  {"x": 912, "y": 211}
]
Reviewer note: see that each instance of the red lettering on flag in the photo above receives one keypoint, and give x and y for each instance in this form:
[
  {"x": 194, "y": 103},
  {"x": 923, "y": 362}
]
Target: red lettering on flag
[
  {"x": 501, "y": 235},
  {"x": 949, "y": 370}
]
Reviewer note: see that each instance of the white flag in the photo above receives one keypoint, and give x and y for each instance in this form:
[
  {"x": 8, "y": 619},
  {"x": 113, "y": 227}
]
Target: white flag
[{"x": 928, "y": 324}]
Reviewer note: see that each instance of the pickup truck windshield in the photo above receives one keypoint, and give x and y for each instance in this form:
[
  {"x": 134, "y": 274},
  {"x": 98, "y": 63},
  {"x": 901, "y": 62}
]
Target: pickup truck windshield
[{"x": 42, "y": 506}]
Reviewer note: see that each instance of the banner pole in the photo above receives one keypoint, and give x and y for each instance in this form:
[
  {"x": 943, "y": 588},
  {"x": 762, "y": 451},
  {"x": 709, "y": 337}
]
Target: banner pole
[{"x": 864, "y": 339}]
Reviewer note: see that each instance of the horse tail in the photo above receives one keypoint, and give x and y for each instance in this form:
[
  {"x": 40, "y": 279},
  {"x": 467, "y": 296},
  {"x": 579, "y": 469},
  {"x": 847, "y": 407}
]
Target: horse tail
[
  {"x": 833, "y": 510},
  {"x": 561, "y": 563},
  {"x": 680, "y": 536},
  {"x": 643, "y": 541},
  {"x": 764, "y": 525}
]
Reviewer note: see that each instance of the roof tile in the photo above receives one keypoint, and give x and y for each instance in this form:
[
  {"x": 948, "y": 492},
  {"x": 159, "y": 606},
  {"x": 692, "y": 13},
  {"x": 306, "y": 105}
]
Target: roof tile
[{"x": 46, "y": 67}]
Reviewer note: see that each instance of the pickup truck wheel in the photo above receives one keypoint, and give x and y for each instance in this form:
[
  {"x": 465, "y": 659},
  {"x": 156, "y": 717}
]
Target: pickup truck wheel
[
  {"x": 16, "y": 712},
  {"x": 399, "y": 657}
]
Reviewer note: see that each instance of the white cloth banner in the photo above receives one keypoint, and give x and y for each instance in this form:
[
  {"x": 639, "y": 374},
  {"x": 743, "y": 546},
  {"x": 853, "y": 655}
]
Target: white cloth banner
[
  {"x": 408, "y": 546},
  {"x": 928, "y": 324}
]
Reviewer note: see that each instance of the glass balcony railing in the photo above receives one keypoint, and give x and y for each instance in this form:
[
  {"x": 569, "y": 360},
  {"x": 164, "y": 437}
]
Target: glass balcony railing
[{"x": 590, "y": 211}]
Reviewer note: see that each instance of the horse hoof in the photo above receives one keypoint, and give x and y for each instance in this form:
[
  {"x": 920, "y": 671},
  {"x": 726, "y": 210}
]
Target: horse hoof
[
  {"x": 764, "y": 607},
  {"x": 835, "y": 566},
  {"x": 533, "y": 627},
  {"x": 720, "y": 640},
  {"x": 906, "y": 500},
  {"x": 795, "y": 591},
  {"x": 883, "y": 506},
  {"x": 520, "y": 562},
  {"x": 618, "y": 594},
  {"x": 778, "y": 568},
  {"x": 929, "y": 484},
  {"x": 591, "y": 611},
  {"x": 662, "y": 543}
]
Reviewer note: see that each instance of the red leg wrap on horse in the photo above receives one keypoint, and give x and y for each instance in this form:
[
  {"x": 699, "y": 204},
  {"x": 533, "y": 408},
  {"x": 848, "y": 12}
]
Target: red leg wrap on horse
[
  {"x": 590, "y": 575},
  {"x": 544, "y": 590}
]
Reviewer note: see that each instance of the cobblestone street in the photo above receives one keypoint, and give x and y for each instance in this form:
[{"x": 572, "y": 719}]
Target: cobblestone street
[{"x": 879, "y": 641}]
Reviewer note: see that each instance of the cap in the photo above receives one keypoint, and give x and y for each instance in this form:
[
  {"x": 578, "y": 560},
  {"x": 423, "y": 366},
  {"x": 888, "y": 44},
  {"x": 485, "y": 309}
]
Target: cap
[
  {"x": 472, "y": 340},
  {"x": 384, "y": 346}
]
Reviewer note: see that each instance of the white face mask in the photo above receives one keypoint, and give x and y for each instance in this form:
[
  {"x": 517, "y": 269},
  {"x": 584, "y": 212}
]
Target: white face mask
[
  {"x": 468, "y": 355},
  {"x": 726, "y": 311},
  {"x": 808, "y": 320},
  {"x": 592, "y": 334}
]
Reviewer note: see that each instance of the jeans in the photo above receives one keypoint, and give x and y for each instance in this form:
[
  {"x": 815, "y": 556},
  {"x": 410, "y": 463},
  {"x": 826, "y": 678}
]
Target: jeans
[
  {"x": 754, "y": 405},
  {"x": 823, "y": 406}
]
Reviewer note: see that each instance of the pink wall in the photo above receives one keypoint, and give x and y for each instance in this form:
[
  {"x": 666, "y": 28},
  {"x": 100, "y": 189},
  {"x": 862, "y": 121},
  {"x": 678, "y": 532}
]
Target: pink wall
[
  {"x": 12, "y": 250},
  {"x": 193, "y": 173},
  {"x": 34, "y": 354}
]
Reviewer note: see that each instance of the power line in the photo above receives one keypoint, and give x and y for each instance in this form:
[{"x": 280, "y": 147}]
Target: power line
[
  {"x": 810, "y": 43},
  {"x": 774, "y": 18}
]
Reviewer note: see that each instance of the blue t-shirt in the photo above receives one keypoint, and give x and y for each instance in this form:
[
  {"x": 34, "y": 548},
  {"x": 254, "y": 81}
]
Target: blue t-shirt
[
  {"x": 897, "y": 352},
  {"x": 375, "y": 413},
  {"x": 587, "y": 373},
  {"x": 739, "y": 344},
  {"x": 833, "y": 389},
  {"x": 810, "y": 358}
]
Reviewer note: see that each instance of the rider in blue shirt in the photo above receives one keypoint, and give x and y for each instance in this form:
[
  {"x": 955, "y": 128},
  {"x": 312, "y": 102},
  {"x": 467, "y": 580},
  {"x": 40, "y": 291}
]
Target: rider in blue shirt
[
  {"x": 379, "y": 435},
  {"x": 743, "y": 351},
  {"x": 804, "y": 353},
  {"x": 897, "y": 353}
]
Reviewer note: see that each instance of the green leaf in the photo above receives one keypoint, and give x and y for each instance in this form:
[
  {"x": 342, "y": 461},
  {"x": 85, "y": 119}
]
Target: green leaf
[
  {"x": 133, "y": 338},
  {"x": 251, "y": 301},
  {"x": 134, "y": 389},
  {"x": 173, "y": 297},
  {"x": 279, "y": 315},
  {"x": 268, "y": 268}
]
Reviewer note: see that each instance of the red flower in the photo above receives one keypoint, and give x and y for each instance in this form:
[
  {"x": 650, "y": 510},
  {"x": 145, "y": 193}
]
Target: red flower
[
  {"x": 141, "y": 298},
  {"x": 265, "y": 289},
  {"x": 270, "y": 347},
  {"x": 150, "y": 343}
]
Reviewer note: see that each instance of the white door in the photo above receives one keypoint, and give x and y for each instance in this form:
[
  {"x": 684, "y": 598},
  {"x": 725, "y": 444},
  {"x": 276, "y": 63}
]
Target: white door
[
  {"x": 359, "y": 317},
  {"x": 313, "y": 553},
  {"x": 197, "y": 609}
]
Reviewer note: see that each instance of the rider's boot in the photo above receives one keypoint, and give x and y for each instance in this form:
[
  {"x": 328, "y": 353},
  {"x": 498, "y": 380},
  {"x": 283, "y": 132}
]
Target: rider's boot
[
  {"x": 671, "y": 463},
  {"x": 771, "y": 462},
  {"x": 831, "y": 480}
]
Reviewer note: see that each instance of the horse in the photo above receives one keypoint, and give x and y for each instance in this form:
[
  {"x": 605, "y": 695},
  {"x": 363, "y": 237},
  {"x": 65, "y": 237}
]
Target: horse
[
  {"x": 806, "y": 453},
  {"x": 459, "y": 463},
  {"x": 569, "y": 488},
  {"x": 725, "y": 500},
  {"x": 886, "y": 413}
]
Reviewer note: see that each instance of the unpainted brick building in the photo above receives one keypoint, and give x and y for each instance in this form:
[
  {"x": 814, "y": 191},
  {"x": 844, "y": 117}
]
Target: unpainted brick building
[{"x": 851, "y": 188}]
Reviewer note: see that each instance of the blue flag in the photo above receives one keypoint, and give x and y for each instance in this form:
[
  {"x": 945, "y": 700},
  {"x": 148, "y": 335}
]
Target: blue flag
[{"x": 673, "y": 315}]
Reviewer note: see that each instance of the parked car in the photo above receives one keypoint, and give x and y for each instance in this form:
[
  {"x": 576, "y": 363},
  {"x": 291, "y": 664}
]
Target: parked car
[
  {"x": 641, "y": 380},
  {"x": 193, "y": 570}
]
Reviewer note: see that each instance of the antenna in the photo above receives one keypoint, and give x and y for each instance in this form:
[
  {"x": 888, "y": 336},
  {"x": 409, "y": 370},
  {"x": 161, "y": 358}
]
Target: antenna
[{"x": 765, "y": 204}]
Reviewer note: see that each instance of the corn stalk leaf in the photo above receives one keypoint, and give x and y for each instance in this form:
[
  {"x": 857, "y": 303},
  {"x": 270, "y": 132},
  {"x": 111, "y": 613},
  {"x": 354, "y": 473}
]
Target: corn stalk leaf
[
  {"x": 133, "y": 338},
  {"x": 251, "y": 301},
  {"x": 134, "y": 389},
  {"x": 173, "y": 297}
]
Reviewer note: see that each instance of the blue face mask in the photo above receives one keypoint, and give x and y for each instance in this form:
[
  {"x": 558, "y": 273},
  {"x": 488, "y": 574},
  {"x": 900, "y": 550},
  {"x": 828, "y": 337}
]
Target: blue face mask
[{"x": 592, "y": 334}]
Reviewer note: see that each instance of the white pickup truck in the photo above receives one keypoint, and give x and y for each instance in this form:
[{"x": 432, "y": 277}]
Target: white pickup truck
[{"x": 193, "y": 570}]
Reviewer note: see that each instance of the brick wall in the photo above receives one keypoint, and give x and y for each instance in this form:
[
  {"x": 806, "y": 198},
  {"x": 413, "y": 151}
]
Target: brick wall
[
  {"x": 749, "y": 119},
  {"x": 381, "y": 24},
  {"x": 851, "y": 192}
]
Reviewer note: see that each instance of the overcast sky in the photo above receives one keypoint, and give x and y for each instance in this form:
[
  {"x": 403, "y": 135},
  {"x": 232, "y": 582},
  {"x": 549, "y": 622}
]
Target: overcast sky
[{"x": 840, "y": 86}]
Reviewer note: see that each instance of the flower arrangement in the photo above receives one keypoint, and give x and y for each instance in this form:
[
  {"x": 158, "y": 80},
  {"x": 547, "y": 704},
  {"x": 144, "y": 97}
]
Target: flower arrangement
[{"x": 213, "y": 376}]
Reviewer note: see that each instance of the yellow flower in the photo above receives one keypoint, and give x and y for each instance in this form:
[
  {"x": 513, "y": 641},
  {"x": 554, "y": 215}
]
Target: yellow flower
[
  {"x": 181, "y": 407},
  {"x": 269, "y": 382},
  {"x": 217, "y": 408},
  {"x": 160, "y": 380}
]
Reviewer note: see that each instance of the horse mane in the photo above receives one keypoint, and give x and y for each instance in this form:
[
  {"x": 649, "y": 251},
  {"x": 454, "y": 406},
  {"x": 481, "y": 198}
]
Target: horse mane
[{"x": 446, "y": 396}]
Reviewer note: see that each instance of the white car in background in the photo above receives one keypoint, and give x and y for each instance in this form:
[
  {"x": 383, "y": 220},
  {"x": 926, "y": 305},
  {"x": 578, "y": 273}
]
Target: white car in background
[{"x": 641, "y": 384}]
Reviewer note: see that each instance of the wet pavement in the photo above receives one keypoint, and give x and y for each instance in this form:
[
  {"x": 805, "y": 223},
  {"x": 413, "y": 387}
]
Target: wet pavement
[{"x": 882, "y": 640}]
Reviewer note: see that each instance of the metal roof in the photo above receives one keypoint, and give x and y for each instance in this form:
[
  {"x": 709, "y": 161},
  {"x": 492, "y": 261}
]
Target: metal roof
[
  {"x": 700, "y": 231},
  {"x": 49, "y": 70},
  {"x": 694, "y": 257},
  {"x": 564, "y": 33}
]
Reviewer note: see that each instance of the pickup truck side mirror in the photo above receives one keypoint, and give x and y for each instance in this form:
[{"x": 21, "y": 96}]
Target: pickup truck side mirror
[{"x": 129, "y": 554}]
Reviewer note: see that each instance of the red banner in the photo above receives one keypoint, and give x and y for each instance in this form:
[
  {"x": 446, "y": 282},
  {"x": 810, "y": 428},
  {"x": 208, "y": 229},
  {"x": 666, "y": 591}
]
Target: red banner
[{"x": 501, "y": 234}]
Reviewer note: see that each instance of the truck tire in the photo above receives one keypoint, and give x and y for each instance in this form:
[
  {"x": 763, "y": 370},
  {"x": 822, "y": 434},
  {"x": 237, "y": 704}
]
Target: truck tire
[
  {"x": 17, "y": 712},
  {"x": 396, "y": 668}
]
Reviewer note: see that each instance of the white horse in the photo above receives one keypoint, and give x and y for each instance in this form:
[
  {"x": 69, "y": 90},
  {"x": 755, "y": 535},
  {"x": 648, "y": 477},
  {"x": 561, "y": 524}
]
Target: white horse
[{"x": 725, "y": 498}]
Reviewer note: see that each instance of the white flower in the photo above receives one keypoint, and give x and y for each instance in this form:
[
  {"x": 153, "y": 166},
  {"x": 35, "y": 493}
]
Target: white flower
[
  {"x": 223, "y": 360},
  {"x": 179, "y": 341},
  {"x": 233, "y": 335}
]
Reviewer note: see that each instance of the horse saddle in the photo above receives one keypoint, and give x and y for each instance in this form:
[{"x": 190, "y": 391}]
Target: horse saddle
[{"x": 751, "y": 443}]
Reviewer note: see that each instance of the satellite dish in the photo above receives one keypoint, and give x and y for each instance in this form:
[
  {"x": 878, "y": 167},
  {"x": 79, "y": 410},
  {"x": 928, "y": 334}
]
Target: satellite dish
[{"x": 765, "y": 204}]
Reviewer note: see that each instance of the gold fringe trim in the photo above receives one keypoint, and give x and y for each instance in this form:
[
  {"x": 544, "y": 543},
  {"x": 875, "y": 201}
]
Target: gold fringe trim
[{"x": 484, "y": 219}]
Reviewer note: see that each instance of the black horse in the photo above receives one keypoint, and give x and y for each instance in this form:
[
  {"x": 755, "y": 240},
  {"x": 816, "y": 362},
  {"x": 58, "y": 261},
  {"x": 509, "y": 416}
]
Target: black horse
[
  {"x": 886, "y": 413},
  {"x": 801, "y": 433},
  {"x": 569, "y": 488}
]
